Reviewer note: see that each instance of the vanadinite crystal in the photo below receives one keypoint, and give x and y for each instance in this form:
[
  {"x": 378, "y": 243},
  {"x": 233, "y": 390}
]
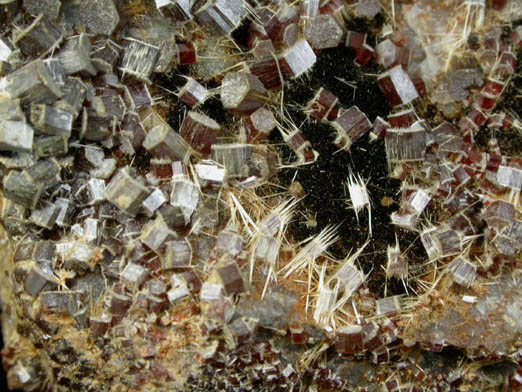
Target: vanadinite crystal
[{"x": 261, "y": 195}]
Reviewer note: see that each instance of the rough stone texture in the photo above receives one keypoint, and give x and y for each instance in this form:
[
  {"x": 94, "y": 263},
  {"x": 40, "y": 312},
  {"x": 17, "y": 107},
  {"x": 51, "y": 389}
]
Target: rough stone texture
[
  {"x": 100, "y": 16},
  {"x": 323, "y": 32}
]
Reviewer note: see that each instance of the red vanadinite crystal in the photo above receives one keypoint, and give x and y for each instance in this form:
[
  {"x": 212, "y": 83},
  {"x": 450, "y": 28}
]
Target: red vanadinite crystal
[{"x": 186, "y": 53}]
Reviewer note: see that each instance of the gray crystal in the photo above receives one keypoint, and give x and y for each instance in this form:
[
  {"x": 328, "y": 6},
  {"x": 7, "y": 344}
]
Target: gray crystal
[
  {"x": 16, "y": 136},
  {"x": 62, "y": 301},
  {"x": 461, "y": 80},
  {"x": 56, "y": 70},
  {"x": 463, "y": 271},
  {"x": 209, "y": 171},
  {"x": 32, "y": 84},
  {"x": 158, "y": 31},
  {"x": 105, "y": 170},
  {"x": 75, "y": 56},
  {"x": 163, "y": 142},
  {"x": 221, "y": 16},
  {"x": 228, "y": 243},
  {"x": 180, "y": 9},
  {"x": 105, "y": 55},
  {"x": 185, "y": 194},
  {"x": 50, "y": 8},
  {"x": 5, "y": 49},
  {"x": 41, "y": 36},
  {"x": 94, "y": 155},
  {"x": 298, "y": 59},
  {"x": 388, "y": 305},
  {"x": 267, "y": 249},
  {"x": 109, "y": 106},
  {"x": 10, "y": 109},
  {"x": 45, "y": 216},
  {"x": 91, "y": 229},
  {"x": 96, "y": 190},
  {"x": 139, "y": 59},
  {"x": 20, "y": 190},
  {"x": 263, "y": 48},
  {"x": 133, "y": 275},
  {"x": 38, "y": 281},
  {"x": 234, "y": 157},
  {"x": 178, "y": 254},
  {"x": 95, "y": 128},
  {"x": 211, "y": 291},
  {"x": 406, "y": 144},
  {"x": 51, "y": 121},
  {"x": 386, "y": 53},
  {"x": 173, "y": 216},
  {"x": 44, "y": 171},
  {"x": 368, "y": 8},
  {"x": 193, "y": 93},
  {"x": 100, "y": 16},
  {"x": 323, "y": 32},
  {"x": 125, "y": 192},
  {"x": 156, "y": 233},
  {"x": 65, "y": 213},
  {"x": 21, "y": 160},
  {"x": 509, "y": 241},
  {"x": 73, "y": 96},
  {"x": 242, "y": 92},
  {"x": 76, "y": 252},
  {"x": 154, "y": 201},
  {"x": 263, "y": 120},
  {"x": 177, "y": 293},
  {"x": 510, "y": 176}
]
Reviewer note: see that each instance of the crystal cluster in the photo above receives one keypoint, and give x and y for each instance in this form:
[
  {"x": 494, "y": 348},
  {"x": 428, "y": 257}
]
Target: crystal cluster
[{"x": 146, "y": 238}]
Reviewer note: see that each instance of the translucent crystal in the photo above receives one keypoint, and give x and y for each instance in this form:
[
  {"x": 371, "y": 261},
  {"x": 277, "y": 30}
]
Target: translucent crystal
[
  {"x": 16, "y": 136},
  {"x": 231, "y": 278},
  {"x": 100, "y": 16},
  {"x": 185, "y": 194},
  {"x": 298, "y": 59},
  {"x": 267, "y": 249},
  {"x": 322, "y": 31},
  {"x": 75, "y": 56},
  {"x": 178, "y": 254},
  {"x": 39, "y": 37},
  {"x": 32, "y": 84},
  {"x": 163, "y": 142},
  {"x": 220, "y": 16},
  {"x": 139, "y": 59},
  {"x": 154, "y": 201},
  {"x": 242, "y": 92},
  {"x": 46, "y": 216},
  {"x": 51, "y": 121},
  {"x": 200, "y": 131},
  {"x": 156, "y": 233},
  {"x": 193, "y": 93},
  {"x": 133, "y": 275}
]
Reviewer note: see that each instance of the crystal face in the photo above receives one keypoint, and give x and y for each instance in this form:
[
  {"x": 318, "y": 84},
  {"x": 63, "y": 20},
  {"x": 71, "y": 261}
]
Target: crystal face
[{"x": 215, "y": 195}]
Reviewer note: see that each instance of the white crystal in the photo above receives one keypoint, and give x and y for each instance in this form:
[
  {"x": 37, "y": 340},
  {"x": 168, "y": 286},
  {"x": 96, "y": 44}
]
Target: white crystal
[
  {"x": 209, "y": 171},
  {"x": 154, "y": 201},
  {"x": 210, "y": 291},
  {"x": 403, "y": 84}
]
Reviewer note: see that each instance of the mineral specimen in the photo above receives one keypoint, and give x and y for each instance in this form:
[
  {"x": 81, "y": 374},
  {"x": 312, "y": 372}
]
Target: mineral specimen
[{"x": 182, "y": 182}]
